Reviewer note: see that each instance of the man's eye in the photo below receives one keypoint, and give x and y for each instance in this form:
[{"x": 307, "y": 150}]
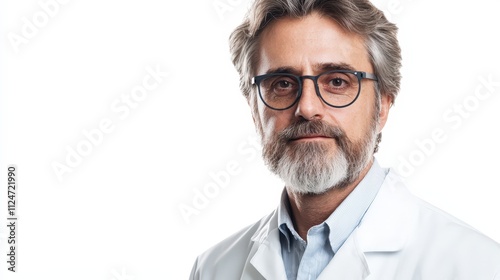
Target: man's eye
[
  {"x": 284, "y": 84},
  {"x": 337, "y": 82}
]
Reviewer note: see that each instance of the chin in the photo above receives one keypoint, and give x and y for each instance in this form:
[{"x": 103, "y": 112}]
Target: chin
[{"x": 314, "y": 168}]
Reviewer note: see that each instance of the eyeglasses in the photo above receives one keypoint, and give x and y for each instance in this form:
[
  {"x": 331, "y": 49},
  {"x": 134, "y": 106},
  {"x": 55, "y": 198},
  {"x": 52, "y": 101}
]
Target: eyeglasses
[{"x": 338, "y": 88}]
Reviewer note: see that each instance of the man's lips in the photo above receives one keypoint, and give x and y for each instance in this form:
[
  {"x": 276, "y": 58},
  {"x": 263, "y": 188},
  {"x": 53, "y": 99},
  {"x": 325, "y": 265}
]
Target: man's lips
[{"x": 310, "y": 137}]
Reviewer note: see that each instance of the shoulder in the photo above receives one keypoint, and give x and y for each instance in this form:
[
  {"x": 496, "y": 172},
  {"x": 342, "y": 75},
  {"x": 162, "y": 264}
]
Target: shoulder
[
  {"x": 231, "y": 254},
  {"x": 450, "y": 230},
  {"x": 428, "y": 239},
  {"x": 430, "y": 221},
  {"x": 446, "y": 239},
  {"x": 452, "y": 245}
]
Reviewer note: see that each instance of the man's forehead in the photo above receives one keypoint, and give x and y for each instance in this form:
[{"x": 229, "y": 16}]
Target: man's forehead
[{"x": 314, "y": 42}]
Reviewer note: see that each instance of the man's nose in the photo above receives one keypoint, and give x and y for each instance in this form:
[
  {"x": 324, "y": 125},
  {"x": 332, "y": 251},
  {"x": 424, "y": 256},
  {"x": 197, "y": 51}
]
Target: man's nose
[{"x": 310, "y": 105}]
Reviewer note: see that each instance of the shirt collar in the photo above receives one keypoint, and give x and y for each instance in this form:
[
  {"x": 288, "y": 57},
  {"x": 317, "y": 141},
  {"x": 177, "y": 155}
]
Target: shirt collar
[
  {"x": 342, "y": 222},
  {"x": 285, "y": 221}
]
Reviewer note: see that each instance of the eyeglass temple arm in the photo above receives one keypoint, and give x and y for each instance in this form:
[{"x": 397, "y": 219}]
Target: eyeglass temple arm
[{"x": 370, "y": 76}]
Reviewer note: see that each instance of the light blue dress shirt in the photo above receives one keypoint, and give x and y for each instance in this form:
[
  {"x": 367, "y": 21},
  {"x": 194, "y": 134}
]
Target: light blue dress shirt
[{"x": 305, "y": 261}]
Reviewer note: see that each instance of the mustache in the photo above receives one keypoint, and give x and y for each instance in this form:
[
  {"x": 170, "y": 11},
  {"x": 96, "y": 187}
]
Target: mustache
[{"x": 309, "y": 128}]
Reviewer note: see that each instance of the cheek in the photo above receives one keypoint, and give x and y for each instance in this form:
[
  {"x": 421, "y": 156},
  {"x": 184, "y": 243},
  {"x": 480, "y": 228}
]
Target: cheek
[
  {"x": 358, "y": 122},
  {"x": 257, "y": 116},
  {"x": 359, "y": 126},
  {"x": 268, "y": 121},
  {"x": 272, "y": 121}
]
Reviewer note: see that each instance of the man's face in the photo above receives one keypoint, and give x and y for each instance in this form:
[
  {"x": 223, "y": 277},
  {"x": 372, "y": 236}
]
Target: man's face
[{"x": 314, "y": 147}]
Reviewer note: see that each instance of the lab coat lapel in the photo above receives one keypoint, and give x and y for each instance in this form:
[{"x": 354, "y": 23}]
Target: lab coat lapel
[
  {"x": 267, "y": 259},
  {"x": 391, "y": 218},
  {"x": 348, "y": 263},
  {"x": 384, "y": 228}
]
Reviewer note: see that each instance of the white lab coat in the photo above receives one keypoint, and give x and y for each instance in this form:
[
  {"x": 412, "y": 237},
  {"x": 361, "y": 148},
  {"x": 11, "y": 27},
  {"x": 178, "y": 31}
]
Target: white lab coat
[{"x": 400, "y": 237}]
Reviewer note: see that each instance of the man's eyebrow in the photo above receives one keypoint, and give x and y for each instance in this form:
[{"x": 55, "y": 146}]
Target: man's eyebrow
[
  {"x": 320, "y": 67},
  {"x": 286, "y": 69},
  {"x": 333, "y": 66}
]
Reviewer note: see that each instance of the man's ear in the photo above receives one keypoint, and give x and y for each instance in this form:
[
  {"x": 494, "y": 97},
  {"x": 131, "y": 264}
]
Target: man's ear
[{"x": 385, "y": 104}]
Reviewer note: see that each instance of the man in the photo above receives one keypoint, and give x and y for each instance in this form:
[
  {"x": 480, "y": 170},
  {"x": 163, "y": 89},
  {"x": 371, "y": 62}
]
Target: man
[{"x": 320, "y": 77}]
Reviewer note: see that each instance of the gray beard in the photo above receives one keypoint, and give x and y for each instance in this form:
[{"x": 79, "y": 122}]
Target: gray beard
[{"x": 314, "y": 167}]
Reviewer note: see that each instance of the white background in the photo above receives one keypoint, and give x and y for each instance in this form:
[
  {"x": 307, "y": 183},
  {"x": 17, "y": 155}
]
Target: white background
[{"x": 116, "y": 214}]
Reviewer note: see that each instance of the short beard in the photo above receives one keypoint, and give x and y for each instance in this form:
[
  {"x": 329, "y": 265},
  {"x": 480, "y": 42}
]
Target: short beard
[{"x": 312, "y": 167}]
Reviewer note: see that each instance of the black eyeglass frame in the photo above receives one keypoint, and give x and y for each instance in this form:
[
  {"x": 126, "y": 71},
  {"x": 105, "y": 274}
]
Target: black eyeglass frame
[{"x": 359, "y": 74}]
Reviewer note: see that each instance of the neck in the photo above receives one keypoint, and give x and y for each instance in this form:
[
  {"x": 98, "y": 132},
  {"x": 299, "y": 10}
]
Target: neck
[{"x": 309, "y": 210}]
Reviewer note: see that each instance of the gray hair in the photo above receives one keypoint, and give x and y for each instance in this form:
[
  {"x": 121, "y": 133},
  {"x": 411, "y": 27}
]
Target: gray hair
[{"x": 357, "y": 16}]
